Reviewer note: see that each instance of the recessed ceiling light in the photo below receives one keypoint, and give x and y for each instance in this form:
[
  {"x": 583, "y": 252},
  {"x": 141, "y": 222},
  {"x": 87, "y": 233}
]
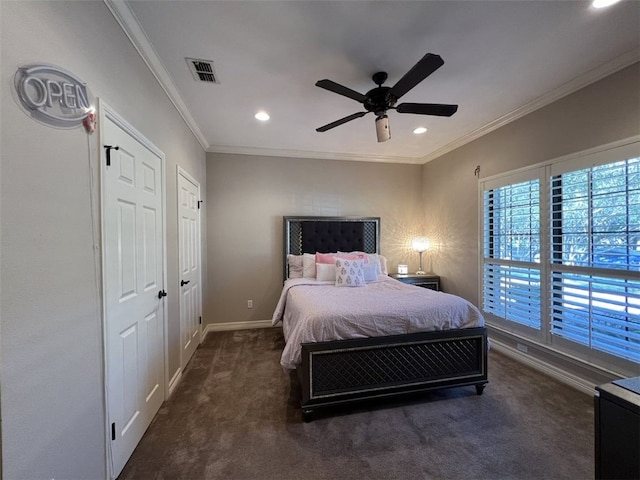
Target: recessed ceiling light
[
  {"x": 262, "y": 116},
  {"x": 603, "y": 3},
  {"x": 420, "y": 130}
]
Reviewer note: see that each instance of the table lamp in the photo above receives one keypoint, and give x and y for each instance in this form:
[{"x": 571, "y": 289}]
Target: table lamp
[{"x": 420, "y": 244}]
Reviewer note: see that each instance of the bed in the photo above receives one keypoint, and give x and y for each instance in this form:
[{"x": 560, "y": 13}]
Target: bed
[{"x": 390, "y": 345}]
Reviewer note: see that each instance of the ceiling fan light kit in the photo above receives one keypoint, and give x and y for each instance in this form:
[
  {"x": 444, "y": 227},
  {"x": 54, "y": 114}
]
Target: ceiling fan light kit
[
  {"x": 382, "y": 128},
  {"x": 381, "y": 99}
]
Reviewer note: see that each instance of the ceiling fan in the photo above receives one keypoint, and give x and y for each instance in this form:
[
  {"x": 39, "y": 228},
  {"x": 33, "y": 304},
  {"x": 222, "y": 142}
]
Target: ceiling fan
[{"x": 381, "y": 99}]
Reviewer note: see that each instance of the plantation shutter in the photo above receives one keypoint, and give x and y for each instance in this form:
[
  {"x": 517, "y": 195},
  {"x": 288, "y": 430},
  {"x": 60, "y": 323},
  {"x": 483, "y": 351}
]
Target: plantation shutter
[
  {"x": 511, "y": 251},
  {"x": 595, "y": 257}
]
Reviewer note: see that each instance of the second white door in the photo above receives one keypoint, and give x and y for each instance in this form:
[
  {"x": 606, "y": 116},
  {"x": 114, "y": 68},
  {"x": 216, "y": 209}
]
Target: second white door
[{"x": 189, "y": 262}]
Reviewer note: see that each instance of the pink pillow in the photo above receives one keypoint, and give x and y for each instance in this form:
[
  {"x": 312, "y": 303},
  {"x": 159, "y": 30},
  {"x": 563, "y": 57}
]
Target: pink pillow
[
  {"x": 331, "y": 257},
  {"x": 326, "y": 258},
  {"x": 353, "y": 256}
]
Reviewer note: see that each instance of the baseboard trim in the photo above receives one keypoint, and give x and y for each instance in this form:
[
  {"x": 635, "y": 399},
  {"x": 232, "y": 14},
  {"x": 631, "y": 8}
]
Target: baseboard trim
[
  {"x": 567, "y": 378},
  {"x": 224, "y": 327},
  {"x": 175, "y": 380}
]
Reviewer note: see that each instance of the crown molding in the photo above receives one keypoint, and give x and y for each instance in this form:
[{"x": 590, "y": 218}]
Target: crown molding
[
  {"x": 275, "y": 152},
  {"x": 131, "y": 27},
  {"x": 567, "y": 88}
]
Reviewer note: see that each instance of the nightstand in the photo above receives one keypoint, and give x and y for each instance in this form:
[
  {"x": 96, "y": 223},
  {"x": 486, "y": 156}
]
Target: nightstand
[
  {"x": 428, "y": 280},
  {"x": 617, "y": 429}
]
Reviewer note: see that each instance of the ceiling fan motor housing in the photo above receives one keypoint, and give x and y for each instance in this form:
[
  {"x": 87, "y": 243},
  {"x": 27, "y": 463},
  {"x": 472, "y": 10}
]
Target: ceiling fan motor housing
[{"x": 379, "y": 100}]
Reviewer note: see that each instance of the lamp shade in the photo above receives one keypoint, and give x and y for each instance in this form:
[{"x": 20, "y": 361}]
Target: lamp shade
[{"x": 420, "y": 244}]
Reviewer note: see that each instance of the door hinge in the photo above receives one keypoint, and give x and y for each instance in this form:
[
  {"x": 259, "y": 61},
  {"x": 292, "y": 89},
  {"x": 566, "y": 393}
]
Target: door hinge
[
  {"x": 200, "y": 320},
  {"x": 109, "y": 148},
  {"x": 113, "y": 431},
  {"x": 199, "y": 202}
]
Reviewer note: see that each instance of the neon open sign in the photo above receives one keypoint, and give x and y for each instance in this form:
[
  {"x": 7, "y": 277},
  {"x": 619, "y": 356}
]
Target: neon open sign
[{"x": 53, "y": 95}]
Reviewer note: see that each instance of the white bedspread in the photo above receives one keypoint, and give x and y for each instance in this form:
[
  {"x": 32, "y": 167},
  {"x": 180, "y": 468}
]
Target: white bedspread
[{"x": 313, "y": 311}]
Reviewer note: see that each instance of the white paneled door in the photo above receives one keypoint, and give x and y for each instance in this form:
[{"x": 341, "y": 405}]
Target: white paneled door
[
  {"x": 133, "y": 261},
  {"x": 189, "y": 260}
]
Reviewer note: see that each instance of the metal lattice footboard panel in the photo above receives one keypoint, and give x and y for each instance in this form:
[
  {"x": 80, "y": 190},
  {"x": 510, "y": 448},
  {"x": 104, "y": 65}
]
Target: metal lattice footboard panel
[{"x": 371, "y": 367}]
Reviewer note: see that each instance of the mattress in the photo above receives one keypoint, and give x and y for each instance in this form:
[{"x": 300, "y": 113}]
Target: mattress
[{"x": 314, "y": 311}]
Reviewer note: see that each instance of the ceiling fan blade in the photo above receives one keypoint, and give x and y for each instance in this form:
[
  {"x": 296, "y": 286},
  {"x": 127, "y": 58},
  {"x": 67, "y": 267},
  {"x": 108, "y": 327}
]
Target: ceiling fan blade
[
  {"x": 421, "y": 70},
  {"x": 438, "y": 109},
  {"x": 340, "y": 90},
  {"x": 331, "y": 125}
]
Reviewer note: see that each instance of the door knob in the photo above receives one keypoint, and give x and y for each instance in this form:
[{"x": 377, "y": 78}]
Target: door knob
[
  {"x": 161, "y": 294},
  {"x": 183, "y": 283}
]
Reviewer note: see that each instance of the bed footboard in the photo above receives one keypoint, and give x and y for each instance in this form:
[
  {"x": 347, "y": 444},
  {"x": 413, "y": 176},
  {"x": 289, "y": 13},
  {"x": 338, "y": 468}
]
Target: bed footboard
[{"x": 342, "y": 371}]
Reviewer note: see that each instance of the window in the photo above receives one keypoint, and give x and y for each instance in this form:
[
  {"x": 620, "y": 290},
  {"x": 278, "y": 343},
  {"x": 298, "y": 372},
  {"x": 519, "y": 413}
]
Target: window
[
  {"x": 561, "y": 252},
  {"x": 595, "y": 242},
  {"x": 511, "y": 246}
]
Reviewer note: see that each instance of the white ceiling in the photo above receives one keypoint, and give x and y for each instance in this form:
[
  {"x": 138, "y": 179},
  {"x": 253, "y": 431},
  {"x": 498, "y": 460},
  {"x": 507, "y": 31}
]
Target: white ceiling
[{"x": 503, "y": 59}]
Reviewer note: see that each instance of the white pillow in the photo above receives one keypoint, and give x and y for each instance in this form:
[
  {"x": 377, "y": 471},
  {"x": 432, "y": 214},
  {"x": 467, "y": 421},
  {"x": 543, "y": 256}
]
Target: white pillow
[
  {"x": 383, "y": 265},
  {"x": 349, "y": 273},
  {"x": 325, "y": 272},
  {"x": 375, "y": 260},
  {"x": 295, "y": 266},
  {"x": 370, "y": 271},
  {"x": 309, "y": 265}
]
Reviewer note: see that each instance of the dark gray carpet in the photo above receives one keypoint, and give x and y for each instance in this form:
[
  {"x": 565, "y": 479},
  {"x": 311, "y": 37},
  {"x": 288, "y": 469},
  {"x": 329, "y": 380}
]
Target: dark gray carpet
[{"x": 235, "y": 416}]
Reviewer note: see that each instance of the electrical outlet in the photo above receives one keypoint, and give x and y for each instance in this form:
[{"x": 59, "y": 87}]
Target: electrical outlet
[
  {"x": 249, "y": 303},
  {"x": 522, "y": 348}
]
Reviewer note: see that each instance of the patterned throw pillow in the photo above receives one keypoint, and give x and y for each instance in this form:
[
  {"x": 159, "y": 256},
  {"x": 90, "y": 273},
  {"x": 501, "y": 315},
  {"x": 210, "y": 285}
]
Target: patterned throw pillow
[{"x": 349, "y": 273}]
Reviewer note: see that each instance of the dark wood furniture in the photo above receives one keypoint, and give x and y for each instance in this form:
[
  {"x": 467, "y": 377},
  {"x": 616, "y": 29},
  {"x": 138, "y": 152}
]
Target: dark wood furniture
[
  {"x": 342, "y": 371},
  {"x": 428, "y": 280},
  {"x": 617, "y": 430}
]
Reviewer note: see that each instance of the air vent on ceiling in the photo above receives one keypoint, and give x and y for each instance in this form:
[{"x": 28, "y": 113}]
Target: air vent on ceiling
[{"x": 202, "y": 70}]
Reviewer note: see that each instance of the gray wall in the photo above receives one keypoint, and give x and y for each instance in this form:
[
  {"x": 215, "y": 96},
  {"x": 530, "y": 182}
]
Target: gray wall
[
  {"x": 51, "y": 327},
  {"x": 601, "y": 113},
  {"x": 247, "y": 197}
]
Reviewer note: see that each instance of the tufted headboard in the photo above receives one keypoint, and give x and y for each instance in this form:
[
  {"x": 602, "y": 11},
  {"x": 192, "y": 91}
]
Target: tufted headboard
[{"x": 330, "y": 234}]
